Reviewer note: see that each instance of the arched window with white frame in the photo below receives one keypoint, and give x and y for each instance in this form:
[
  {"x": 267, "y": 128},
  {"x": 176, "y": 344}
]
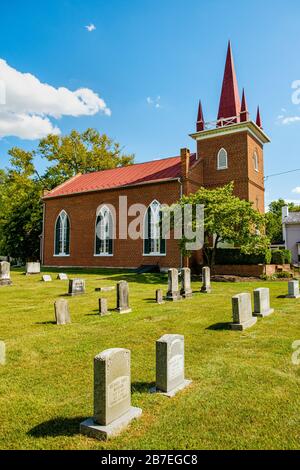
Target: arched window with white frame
[
  {"x": 222, "y": 159},
  {"x": 154, "y": 243},
  {"x": 62, "y": 234},
  {"x": 104, "y": 232}
]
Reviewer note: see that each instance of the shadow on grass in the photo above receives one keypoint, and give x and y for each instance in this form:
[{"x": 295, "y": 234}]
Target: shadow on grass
[
  {"x": 281, "y": 297},
  {"x": 142, "y": 387},
  {"x": 219, "y": 327},
  {"x": 52, "y": 322},
  {"x": 57, "y": 427}
]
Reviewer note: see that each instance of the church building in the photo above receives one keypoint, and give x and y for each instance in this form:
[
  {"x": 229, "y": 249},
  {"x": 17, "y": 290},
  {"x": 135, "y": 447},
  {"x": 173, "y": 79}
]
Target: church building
[{"x": 229, "y": 149}]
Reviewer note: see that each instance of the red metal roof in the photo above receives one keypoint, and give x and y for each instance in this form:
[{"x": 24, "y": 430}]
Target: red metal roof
[
  {"x": 140, "y": 173},
  {"x": 230, "y": 104}
]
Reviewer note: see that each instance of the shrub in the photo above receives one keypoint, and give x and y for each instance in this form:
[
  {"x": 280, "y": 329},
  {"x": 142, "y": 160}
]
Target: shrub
[
  {"x": 284, "y": 275},
  {"x": 233, "y": 256},
  {"x": 281, "y": 257}
]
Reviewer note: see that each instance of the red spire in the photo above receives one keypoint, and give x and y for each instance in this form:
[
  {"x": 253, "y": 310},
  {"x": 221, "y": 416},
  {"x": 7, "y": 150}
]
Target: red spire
[
  {"x": 230, "y": 104},
  {"x": 244, "y": 115},
  {"x": 258, "y": 118},
  {"x": 200, "y": 119}
]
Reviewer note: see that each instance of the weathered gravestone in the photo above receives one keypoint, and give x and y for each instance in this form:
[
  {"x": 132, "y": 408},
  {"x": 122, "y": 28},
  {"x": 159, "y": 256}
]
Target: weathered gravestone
[
  {"x": 262, "y": 302},
  {"x": 159, "y": 296},
  {"x": 62, "y": 277},
  {"x": 103, "y": 310},
  {"x": 206, "y": 286},
  {"x": 46, "y": 278},
  {"x": 2, "y": 353},
  {"x": 112, "y": 395},
  {"x": 5, "y": 274},
  {"x": 170, "y": 365},
  {"x": 186, "y": 290},
  {"x": 33, "y": 268},
  {"x": 62, "y": 313},
  {"x": 293, "y": 290},
  {"x": 173, "y": 289},
  {"x": 105, "y": 289},
  {"x": 123, "y": 297},
  {"x": 242, "y": 312},
  {"x": 76, "y": 286}
]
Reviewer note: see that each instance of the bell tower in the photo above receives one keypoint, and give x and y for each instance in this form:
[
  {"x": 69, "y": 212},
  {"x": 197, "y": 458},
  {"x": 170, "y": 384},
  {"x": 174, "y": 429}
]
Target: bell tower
[{"x": 232, "y": 147}]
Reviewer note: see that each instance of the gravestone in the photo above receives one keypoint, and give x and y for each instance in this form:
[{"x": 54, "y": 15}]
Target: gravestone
[
  {"x": 103, "y": 310},
  {"x": 262, "y": 302},
  {"x": 206, "y": 286},
  {"x": 159, "y": 296},
  {"x": 170, "y": 365},
  {"x": 173, "y": 289},
  {"x": 5, "y": 274},
  {"x": 112, "y": 395},
  {"x": 105, "y": 289},
  {"x": 123, "y": 297},
  {"x": 46, "y": 278},
  {"x": 33, "y": 268},
  {"x": 62, "y": 277},
  {"x": 2, "y": 353},
  {"x": 76, "y": 286},
  {"x": 62, "y": 313},
  {"x": 293, "y": 290},
  {"x": 186, "y": 290},
  {"x": 242, "y": 312}
]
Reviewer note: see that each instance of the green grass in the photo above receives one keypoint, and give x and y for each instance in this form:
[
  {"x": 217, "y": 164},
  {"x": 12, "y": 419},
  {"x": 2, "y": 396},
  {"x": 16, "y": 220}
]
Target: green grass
[{"x": 245, "y": 391}]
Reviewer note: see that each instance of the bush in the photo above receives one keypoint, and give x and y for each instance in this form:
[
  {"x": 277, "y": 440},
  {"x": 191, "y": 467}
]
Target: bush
[
  {"x": 234, "y": 256},
  {"x": 284, "y": 275},
  {"x": 281, "y": 257}
]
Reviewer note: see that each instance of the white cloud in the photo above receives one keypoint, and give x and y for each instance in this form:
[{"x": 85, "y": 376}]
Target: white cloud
[
  {"x": 296, "y": 190},
  {"x": 155, "y": 102},
  {"x": 30, "y": 103},
  {"x": 90, "y": 27},
  {"x": 288, "y": 119}
]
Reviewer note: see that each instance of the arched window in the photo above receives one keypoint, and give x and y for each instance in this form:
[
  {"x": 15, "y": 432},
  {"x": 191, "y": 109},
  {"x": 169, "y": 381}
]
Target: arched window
[
  {"x": 104, "y": 232},
  {"x": 154, "y": 244},
  {"x": 222, "y": 160},
  {"x": 255, "y": 161},
  {"x": 62, "y": 234}
]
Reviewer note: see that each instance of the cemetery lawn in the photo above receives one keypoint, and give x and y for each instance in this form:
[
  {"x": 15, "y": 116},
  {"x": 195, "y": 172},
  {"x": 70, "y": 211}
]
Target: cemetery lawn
[{"x": 245, "y": 392}]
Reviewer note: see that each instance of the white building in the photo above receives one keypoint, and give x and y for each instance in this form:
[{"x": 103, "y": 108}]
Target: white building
[{"x": 291, "y": 233}]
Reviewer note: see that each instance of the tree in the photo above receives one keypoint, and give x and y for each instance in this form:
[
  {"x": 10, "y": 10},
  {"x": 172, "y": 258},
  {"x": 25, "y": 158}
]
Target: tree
[
  {"x": 274, "y": 219},
  {"x": 227, "y": 219},
  {"x": 22, "y": 186}
]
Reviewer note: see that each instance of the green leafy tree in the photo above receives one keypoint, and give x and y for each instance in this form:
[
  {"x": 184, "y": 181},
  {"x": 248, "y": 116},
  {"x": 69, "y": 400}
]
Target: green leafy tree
[{"x": 227, "y": 219}]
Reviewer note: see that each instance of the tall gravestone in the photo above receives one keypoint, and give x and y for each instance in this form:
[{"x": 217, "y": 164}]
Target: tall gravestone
[
  {"x": 33, "y": 268},
  {"x": 206, "y": 286},
  {"x": 293, "y": 290},
  {"x": 173, "y": 293},
  {"x": 123, "y": 297},
  {"x": 5, "y": 274},
  {"x": 62, "y": 312},
  {"x": 112, "y": 395},
  {"x": 186, "y": 290},
  {"x": 262, "y": 302},
  {"x": 159, "y": 297},
  {"x": 103, "y": 309},
  {"x": 242, "y": 312},
  {"x": 76, "y": 286},
  {"x": 170, "y": 365}
]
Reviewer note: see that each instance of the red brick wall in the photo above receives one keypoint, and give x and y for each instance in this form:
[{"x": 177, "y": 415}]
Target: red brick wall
[{"x": 82, "y": 212}]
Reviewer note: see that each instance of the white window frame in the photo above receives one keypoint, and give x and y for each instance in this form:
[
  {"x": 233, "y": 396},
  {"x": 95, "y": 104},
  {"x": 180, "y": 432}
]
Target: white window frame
[
  {"x": 109, "y": 233},
  {"x": 223, "y": 167},
  {"x": 155, "y": 221},
  {"x": 63, "y": 216}
]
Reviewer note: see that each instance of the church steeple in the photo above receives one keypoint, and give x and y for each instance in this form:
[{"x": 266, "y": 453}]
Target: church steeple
[
  {"x": 200, "y": 119},
  {"x": 230, "y": 104},
  {"x": 244, "y": 114},
  {"x": 258, "y": 118}
]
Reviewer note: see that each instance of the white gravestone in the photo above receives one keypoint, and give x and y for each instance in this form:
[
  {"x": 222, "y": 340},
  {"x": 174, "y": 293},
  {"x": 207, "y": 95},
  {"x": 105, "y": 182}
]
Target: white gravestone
[
  {"x": 33, "y": 268},
  {"x": 62, "y": 313},
  {"x": 5, "y": 273},
  {"x": 206, "y": 286},
  {"x": 159, "y": 297},
  {"x": 103, "y": 309},
  {"x": 47, "y": 278},
  {"x": 293, "y": 290},
  {"x": 170, "y": 365},
  {"x": 186, "y": 290},
  {"x": 123, "y": 297},
  {"x": 262, "y": 302},
  {"x": 173, "y": 293},
  {"x": 112, "y": 395},
  {"x": 242, "y": 312},
  {"x": 76, "y": 286},
  {"x": 62, "y": 277}
]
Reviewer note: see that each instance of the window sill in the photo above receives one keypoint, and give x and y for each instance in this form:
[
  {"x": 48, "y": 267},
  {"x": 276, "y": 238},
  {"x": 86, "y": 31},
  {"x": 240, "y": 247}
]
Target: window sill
[
  {"x": 155, "y": 254},
  {"x": 222, "y": 169},
  {"x": 61, "y": 256},
  {"x": 103, "y": 255}
]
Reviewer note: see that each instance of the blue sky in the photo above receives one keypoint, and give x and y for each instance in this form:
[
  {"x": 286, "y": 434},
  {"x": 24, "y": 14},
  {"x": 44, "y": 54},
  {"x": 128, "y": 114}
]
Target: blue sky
[{"x": 171, "y": 49}]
